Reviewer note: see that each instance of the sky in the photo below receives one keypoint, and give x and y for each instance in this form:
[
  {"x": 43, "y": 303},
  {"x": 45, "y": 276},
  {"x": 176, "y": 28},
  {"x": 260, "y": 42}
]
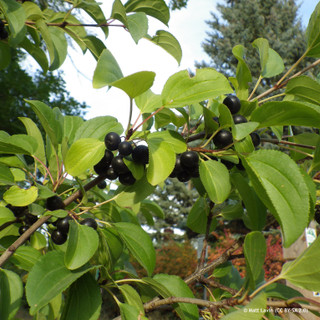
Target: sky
[{"x": 187, "y": 25}]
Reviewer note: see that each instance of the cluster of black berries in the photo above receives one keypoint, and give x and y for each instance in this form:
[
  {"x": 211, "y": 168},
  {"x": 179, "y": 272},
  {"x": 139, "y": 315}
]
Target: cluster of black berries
[
  {"x": 114, "y": 167},
  {"x": 60, "y": 234},
  {"x": 224, "y": 137},
  {"x": 3, "y": 32},
  {"x": 24, "y": 216},
  {"x": 186, "y": 166}
]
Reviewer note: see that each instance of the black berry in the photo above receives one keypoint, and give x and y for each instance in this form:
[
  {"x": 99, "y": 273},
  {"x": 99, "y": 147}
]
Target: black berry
[
  {"x": 54, "y": 203},
  {"x": 240, "y": 166},
  {"x": 102, "y": 166},
  {"x": 23, "y": 229},
  {"x": 223, "y": 138},
  {"x": 233, "y": 103},
  {"x": 255, "y": 138},
  {"x": 89, "y": 222},
  {"x": 30, "y": 219},
  {"x": 111, "y": 174},
  {"x": 18, "y": 211},
  {"x": 125, "y": 148},
  {"x": 189, "y": 159},
  {"x": 118, "y": 165},
  {"x": 183, "y": 176},
  {"x": 140, "y": 154},
  {"x": 102, "y": 184},
  {"x": 3, "y": 32},
  {"x": 58, "y": 237},
  {"x": 238, "y": 118},
  {"x": 63, "y": 224},
  {"x": 177, "y": 167},
  {"x": 112, "y": 141},
  {"x": 127, "y": 179}
]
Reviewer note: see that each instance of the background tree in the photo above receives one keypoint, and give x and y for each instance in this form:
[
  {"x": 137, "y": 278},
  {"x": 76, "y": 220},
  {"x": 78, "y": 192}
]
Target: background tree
[{"x": 243, "y": 21}]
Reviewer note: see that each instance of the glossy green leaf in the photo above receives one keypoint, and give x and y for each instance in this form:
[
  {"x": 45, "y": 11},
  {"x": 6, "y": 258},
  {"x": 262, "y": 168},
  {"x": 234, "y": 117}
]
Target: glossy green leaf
[
  {"x": 182, "y": 89},
  {"x": 38, "y": 240},
  {"x": 60, "y": 47},
  {"x": 83, "y": 300},
  {"x": 256, "y": 212},
  {"x": 25, "y": 257},
  {"x": 5, "y": 55},
  {"x": 132, "y": 297},
  {"x": 168, "y": 42},
  {"x": 313, "y": 33},
  {"x": 48, "y": 278},
  {"x": 137, "y": 25},
  {"x": 281, "y": 291},
  {"x": 138, "y": 243},
  {"x": 112, "y": 244},
  {"x": 20, "y": 197},
  {"x": 173, "y": 138},
  {"x": 258, "y": 304},
  {"x": 136, "y": 83},
  {"x": 304, "y": 271},
  {"x": 316, "y": 159},
  {"x": 98, "y": 127},
  {"x": 153, "y": 208},
  {"x": 33, "y": 11},
  {"x": 11, "y": 291},
  {"x": 280, "y": 185},
  {"x": 178, "y": 288},
  {"x": 33, "y": 131},
  {"x": 154, "y": 8},
  {"x": 286, "y": 113},
  {"x": 18, "y": 144},
  {"x": 304, "y": 88},
  {"x": 198, "y": 215},
  {"x": 262, "y": 45},
  {"x": 244, "y": 146},
  {"x": 243, "y": 73},
  {"x": 241, "y": 130},
  {"x": 119, "y": 12},
  {"x": 6, "y": 175},
  {"x": 6, "y": 215},
  {"x": 49, "y": 121},
  {"x": 148, "y": 101},
  {"x": 216, "y": 180},
  {"x": 70, "y": 126},
  {"x": 137, "y": 169},
  {"x": 15, "y": 16},
  {"x": 274, "y": 65},
  {"x": 129, "y": 312},
  {"x": 95, "y": 45},
  {"x": 82, "y": 155},
  {"x": 106, "y": 71},
  {"x": 255, "y": 250},
  {"x": 82, "y": 244}
]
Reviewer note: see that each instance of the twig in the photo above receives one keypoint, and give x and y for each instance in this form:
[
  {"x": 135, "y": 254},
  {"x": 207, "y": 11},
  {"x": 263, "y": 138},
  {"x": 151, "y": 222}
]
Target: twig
[
  {"x": 215, "y": 284},
  {"x": 275, "y": 141},
  {"x": 24, "y": 237}
]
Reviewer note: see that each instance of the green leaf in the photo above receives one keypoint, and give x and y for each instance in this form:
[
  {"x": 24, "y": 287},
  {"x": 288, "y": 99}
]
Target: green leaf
[
  {"x": 33, "y": 11},
  {"x": 33, "y": 131},
  {"x": 243, "y": 73},
  {"x": 83, "y": 155},
  {"x": 181, "y": 89},
  {"x": 5, "y": 55},
  {"x": 286, "y": 113},
  {"x": 152, "y": 207},
  {"x": 304, "y": 271},
  {"x": 255, "y": 250},
  {"x": 154, "y": 8},
  {"x": 258, "y": 303},
  {"x": 70, "y": 126},
  {"x": 280, "y": 185},
  {"x": 241, "y": 130},
  {"x": 256, "y": 212},
  {"x": 216, "y": 180},
  {"x": 98, "y": 127},
  {"x": 313, "y": 33},
  {"x": 304, "y": 88},
  {"x": 83, "y": 300},
  {"x": 129, "y": 312},
  {"x": 82, "y": 244},
  {"x": 11, "y": 294},
  {"x": 111, "y": 244},
  {"x": 48, "y": 278},
  {"x": 6, "y": 175},
  {"x": 316, "y": 159},
  {"x": 18, "y": 144},
  {"x": 95, "y": 45},
  {"x": 131, "y": 297},
  {"x": 173, "y": 138},
  {"x": 137, "y": 169},
  {"x": 136, "y": 83},
  {"x": 178, "y": 288},
  {"x": 60, "y": 47},
  {"x": 38, "y": 240},
  {"x": 198, "y": 215},
  {"x": 281, "y": 291},
  {"x": 25, "y": 257},
  {"x": 49, "y": 121},
  {"x": 148, "y": 101},
  {"x": 6, "y": 215},
  {"x": 274, "y": 65},
  {"x": 119, "y": 12},
  {"x": 137, "y": 25},
  {"x": 16, "y": 17},
  {"x": 138, "y": 243},
  {"x": 20, "y": 197},
  {"x": 168, "y": 42},
  {"x": 106, "y": 71},
  {"x": 263, "y": 47}
]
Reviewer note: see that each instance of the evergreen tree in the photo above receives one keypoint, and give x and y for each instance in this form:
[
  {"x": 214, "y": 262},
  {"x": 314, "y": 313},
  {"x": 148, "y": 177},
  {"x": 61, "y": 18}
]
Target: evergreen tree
[
  {"x": 16, "y": 84},
  {"x": 243, "y": 21}
]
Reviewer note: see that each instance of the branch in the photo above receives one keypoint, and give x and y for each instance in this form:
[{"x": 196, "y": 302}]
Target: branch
[
  {"x": 215, "y": 284},
  {"x": 67, "y": 24},
  {"x": 25, "y": 236},
  {"x": 275, "y": 141}
]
